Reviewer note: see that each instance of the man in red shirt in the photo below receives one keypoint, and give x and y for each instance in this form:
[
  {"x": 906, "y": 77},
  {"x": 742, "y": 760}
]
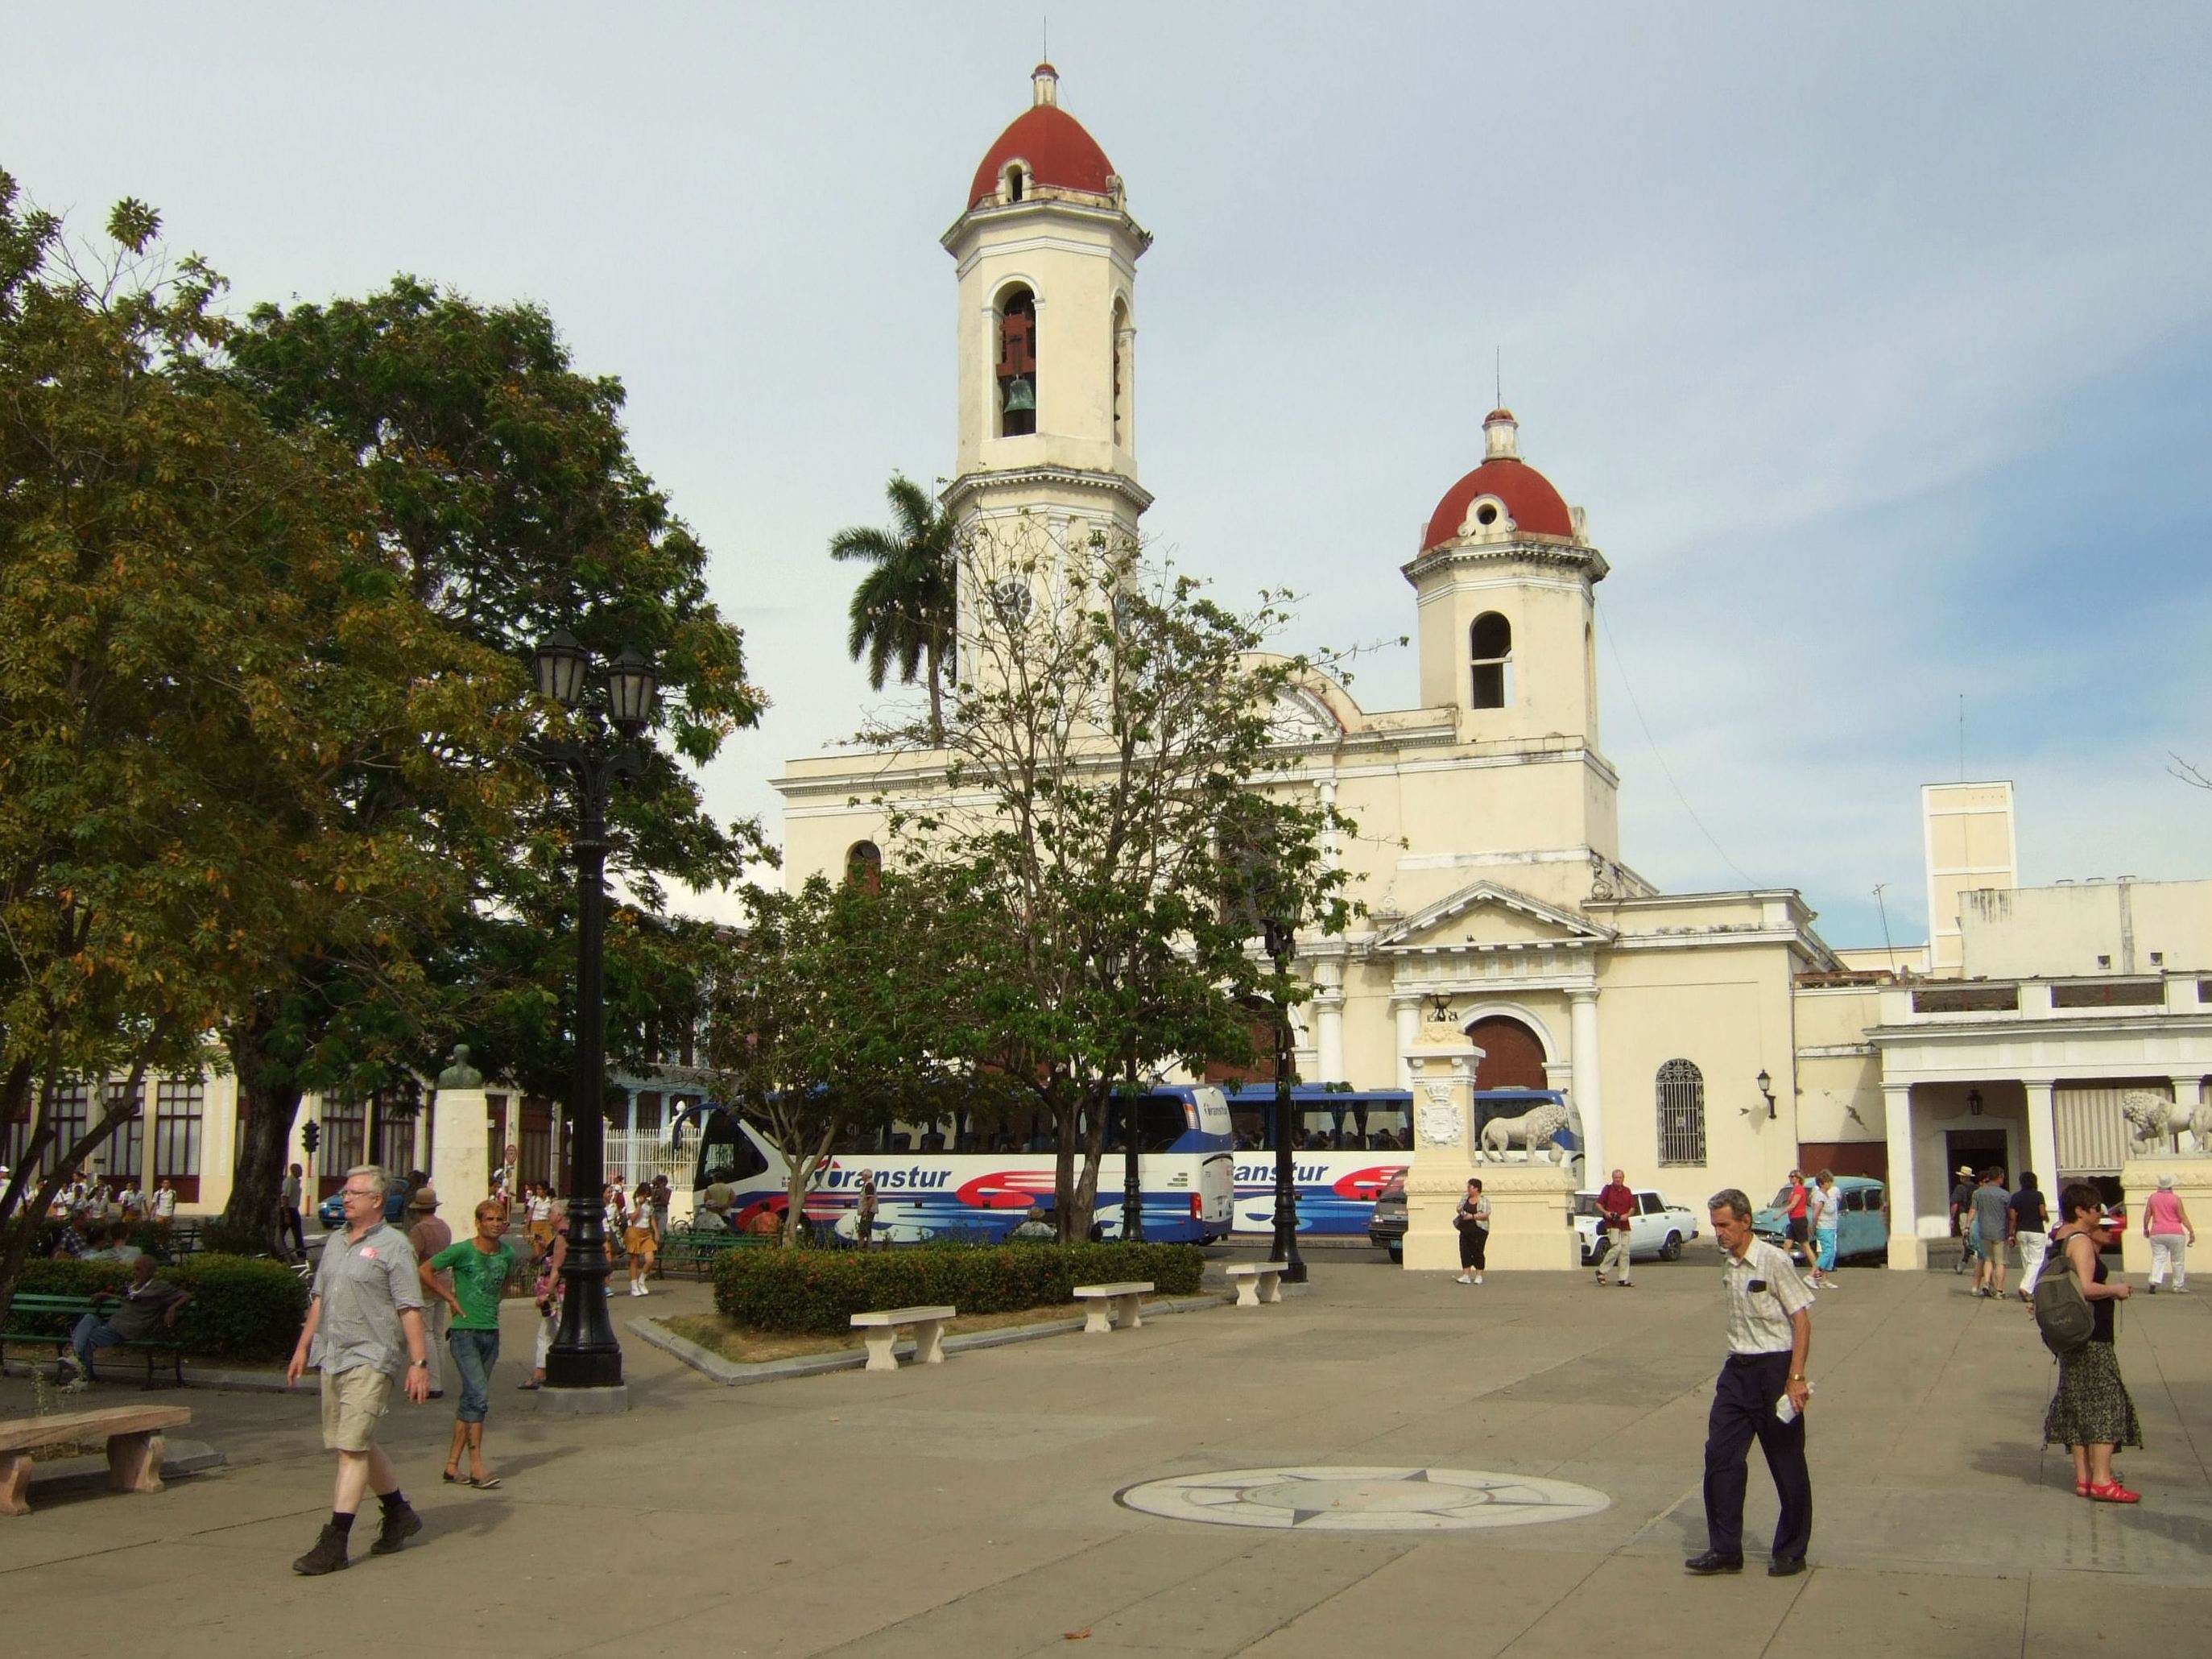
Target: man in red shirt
[
  {"x": 1615, "y": 1205},
  {"x": 1801, "y": 1198}
]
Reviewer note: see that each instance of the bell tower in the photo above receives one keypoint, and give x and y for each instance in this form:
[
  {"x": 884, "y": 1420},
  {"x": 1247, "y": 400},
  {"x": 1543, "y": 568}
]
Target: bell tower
[{"x": 1045, "y": 254}]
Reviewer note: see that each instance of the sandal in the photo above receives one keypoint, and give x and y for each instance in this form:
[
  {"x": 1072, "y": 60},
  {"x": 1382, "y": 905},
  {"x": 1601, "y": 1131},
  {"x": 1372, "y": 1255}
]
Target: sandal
[
  {"x": 527, "y": 1387},
  {"x": 2111, "y": 1491},
  {"x": 486, "y": 1484},
  {"x": 453, "y": 1479}
]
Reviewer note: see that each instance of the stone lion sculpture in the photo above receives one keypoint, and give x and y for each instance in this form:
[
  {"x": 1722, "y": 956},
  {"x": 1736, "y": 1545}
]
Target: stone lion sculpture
[
  {"x": 2153, "y": 1118},
  {"x": 1533, "y": 1130}
]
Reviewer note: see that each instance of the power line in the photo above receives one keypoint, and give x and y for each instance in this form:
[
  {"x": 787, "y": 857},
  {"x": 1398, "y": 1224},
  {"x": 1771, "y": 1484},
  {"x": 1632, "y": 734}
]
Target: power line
[{"x": 1614, "y": 644}]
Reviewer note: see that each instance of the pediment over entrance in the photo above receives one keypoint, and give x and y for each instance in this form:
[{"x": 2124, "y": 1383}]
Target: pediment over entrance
[{"x": 1489, "y": 915}]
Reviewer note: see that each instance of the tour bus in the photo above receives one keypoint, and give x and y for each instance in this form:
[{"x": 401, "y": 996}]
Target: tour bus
[
  {"x": 1185, "y": 1158},
  {"x": 1347, "y": 1143}
]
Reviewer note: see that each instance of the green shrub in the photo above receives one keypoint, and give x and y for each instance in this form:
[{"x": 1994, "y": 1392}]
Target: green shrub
[
  {"x": 241, "y": 1309},
  {"x": 819, "y": 1291}
]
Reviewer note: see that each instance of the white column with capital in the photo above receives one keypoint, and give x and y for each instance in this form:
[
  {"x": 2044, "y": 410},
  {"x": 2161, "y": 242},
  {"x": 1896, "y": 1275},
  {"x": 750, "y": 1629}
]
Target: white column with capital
[
  {"x": 1409, "y": 1012},
  {"x": 1906, "y": 1247},
  {"x": 1587, "y": 1103},
  {"x": 1328, "y": 1022},
  {"x": 460, "y": 1152},
  {"x": 2043, "y": 1136}
]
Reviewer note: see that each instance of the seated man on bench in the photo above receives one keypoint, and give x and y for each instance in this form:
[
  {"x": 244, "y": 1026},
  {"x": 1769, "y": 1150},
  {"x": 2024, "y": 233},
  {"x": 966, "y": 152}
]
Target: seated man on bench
[{"x": 149, "y": 1304}]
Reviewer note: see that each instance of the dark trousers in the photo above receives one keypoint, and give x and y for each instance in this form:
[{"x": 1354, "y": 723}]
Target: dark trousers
[
  {"x": 1472, "y": 1241},
  {"x": 288, "y": 1226},
  {"x": 1743, "y": 1407}
]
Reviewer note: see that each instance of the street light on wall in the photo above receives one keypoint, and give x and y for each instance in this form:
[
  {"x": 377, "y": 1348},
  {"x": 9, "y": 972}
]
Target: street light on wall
[
  {"x": 584, "y": 1353},
  {"x": 1973, "y": 1102},
  {"x": 1766, "y": 1090}
]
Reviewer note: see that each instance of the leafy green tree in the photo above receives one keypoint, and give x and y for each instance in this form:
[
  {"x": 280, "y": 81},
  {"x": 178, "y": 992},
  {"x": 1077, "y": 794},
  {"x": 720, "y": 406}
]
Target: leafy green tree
[
  {"x": 504, "y": 492},
  {"x": 903, "y": 609},
  {"x": 1110, "y": 721},
  {"x": 823, "y": 1014},
  {"x": 201, "y": 641}
]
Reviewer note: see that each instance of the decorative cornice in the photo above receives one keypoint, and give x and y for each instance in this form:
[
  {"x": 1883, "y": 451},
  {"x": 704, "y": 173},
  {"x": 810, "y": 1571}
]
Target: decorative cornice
[
  {"x": 1585, "y": 561},
  {"x": 1067, "y": 478}
]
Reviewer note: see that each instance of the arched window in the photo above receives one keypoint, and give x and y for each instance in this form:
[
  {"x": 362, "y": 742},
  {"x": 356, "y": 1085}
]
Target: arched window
[
  {"x": 1124, "y": 339},
  {"x": 1490, "y": 642},
  {"x": 1682, "y": 1113},
  {"x": 864, "y": 865},
  {"x": 1014, "y": 184},
  {"x": 1016, "y": 365}
]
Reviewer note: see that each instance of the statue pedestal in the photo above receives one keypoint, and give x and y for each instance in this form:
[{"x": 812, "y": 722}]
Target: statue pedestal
[
  {"x": 2192, "y": 1185},
  {"x": 1532, "y": 1226},
  {"x": 460, "y": 1156}
]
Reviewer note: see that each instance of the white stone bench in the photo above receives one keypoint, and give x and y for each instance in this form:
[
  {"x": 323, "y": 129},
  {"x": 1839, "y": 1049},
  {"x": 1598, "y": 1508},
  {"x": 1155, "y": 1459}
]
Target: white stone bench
[
  {"x": 881, "y": 1330},
  {"x": 1257, "y": 1282},
  {"x": 135, "y": 1447},
  {"x": 1121, "y": 1299}
]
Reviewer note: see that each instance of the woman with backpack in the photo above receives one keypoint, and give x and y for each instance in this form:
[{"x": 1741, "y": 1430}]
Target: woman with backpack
[{"x": 2091, "y": 1414}]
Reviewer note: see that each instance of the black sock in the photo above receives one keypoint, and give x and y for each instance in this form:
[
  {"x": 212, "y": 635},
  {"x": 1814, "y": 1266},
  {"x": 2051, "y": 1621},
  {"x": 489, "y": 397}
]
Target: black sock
[
  {"x": 392, "y": 1502},
  {"x": 342, "y": 1523}
]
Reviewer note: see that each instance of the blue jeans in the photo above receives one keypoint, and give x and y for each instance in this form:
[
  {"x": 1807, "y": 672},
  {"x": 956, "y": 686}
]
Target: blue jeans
[
  {"x": 89, "y": 1337},
  {"x": 475, "y": 1353}
]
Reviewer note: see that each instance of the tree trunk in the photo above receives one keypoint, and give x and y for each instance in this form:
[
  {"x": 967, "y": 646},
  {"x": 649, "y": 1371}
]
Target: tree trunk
[
  {"x": 1094, "y": 1142},
  {"x": 270, "y": 1095},
  {"x": 936, "y": 697}
]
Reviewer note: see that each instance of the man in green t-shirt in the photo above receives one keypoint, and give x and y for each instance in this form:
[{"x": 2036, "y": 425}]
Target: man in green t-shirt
[{"x": 480, "y": 1266}]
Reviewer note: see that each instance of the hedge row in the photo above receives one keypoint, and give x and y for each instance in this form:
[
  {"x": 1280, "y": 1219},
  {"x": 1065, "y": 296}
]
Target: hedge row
[
  {"x": 241, "y": 1309},
  {"x": 819, "y": 1291}
]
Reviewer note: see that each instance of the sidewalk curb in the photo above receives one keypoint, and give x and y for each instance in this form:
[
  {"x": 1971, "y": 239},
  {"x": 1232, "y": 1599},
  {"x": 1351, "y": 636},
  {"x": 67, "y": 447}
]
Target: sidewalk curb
[{"x": 731, "y": 1375}]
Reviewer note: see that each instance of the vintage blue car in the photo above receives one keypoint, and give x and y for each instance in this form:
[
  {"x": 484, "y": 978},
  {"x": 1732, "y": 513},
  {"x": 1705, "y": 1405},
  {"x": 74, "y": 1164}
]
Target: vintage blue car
[
  {"x": 333, "y": 1212},
  {"x": 1863, "y": 1227}
]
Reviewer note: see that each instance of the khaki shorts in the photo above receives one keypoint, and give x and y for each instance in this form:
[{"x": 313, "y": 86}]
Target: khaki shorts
[{"x": 354, "y": 1403}]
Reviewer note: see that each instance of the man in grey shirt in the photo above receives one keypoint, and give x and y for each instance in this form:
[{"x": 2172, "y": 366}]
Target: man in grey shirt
[
  {"x": 1992, "y": 1210},
  {"x": 364, "y": 1331}
]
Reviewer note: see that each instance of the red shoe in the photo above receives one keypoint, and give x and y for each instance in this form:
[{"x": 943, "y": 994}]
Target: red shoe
[{"x": 2111, "y": 1491}]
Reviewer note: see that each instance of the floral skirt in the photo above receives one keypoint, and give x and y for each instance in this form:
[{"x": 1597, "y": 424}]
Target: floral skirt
[{"x": 2092, "y": 1408}]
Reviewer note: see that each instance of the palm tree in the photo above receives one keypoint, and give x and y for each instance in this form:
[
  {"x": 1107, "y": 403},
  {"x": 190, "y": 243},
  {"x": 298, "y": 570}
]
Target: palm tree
[{"x": 903, "y": 609}]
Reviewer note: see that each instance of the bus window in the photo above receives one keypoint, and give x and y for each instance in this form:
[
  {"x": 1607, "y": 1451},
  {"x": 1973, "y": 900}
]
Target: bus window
[{"x": 1161, "y": 1123}]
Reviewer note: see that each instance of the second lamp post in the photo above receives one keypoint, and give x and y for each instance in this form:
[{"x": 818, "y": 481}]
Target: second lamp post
[{"x": 585, "y": 1353}]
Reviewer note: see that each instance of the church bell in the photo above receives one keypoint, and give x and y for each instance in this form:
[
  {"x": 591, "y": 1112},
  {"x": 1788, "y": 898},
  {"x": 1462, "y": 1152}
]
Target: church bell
[{"x": 1020, "y": 395}]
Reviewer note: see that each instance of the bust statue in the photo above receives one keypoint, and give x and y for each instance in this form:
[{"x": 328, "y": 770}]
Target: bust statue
[{"x": 458, "y": 1074}]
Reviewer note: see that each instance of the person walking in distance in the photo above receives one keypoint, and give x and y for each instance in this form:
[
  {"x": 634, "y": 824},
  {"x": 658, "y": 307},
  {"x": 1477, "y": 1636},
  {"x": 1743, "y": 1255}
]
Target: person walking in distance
[
  {"x": 550, "y": 1290},
  {"x": 2091, "y": 1414},
  {"x": 1962, "y": 1217},
  {"x": 470, "y": 1278},
  {"x": 865, "y": 1216},
  {"x": 641, "y": 1239},
  {"x": 1616, "y": 1204},
  {"x": 2031, "y": 1232},
  {"x": 1800, "y": 1223},
  {"x": 2166, "y": 1225},
  {"x": 1761, "y": 1396},
  {"x": 1991, "y": 1208},
  {"x": 364, "y": 1330},
  {"x": 287, "y": 1214},
  {"x": 1473, "y": 1220},
  {"x": 426, "y": 1235},
  {"x": 1824, "y": 1211}
]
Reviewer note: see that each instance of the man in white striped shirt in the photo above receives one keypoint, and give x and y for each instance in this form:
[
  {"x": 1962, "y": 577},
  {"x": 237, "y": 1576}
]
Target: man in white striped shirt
[{"x": 1770, "y": 1337}]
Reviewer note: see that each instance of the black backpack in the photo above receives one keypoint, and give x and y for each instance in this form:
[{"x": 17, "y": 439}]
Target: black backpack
[{"x": 2062, "y": 1315}]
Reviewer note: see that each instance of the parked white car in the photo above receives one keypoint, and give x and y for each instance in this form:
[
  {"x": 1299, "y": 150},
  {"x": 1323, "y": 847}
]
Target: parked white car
[{"x": 1658, "y": 1229}]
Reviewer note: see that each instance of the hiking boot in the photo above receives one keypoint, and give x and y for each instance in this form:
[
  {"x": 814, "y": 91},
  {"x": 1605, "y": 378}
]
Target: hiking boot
[
  {"x": 329, "y": 1554},
  {"x": 399, "y": 1525}
]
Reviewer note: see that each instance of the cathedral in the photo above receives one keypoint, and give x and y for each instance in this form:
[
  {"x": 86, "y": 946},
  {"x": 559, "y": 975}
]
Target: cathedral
[{"x": 1488, "y": 857}]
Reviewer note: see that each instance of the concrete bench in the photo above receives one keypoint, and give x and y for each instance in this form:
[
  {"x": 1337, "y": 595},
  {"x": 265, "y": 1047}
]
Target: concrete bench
[
  {"x": 1257, "y": 1282},
  {"x": 1121, "y": 1299},
  {"x": 135, "y": 1447},
  {"x": 881, "y": 1330}
]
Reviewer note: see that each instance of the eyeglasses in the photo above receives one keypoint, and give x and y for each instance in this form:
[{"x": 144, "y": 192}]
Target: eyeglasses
[{"x": 356, "y": 1192}]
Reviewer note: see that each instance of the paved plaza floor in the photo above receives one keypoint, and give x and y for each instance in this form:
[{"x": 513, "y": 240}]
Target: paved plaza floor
[{"x": 985, "y": 1507}]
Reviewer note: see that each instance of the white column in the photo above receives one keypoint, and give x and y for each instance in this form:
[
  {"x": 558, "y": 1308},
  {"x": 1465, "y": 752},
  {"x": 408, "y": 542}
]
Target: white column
[
  {"x": 1328, "y": 1022},
  {"x": 2043, "y": 1135},
  {"x": 1409, "y": 1029},
  {"x": 1584, "y": 1051},
  {"x": 1905, "y": 1249},
  {"x": 628, "y": 1171},
  {"x": 460, "y": 1163}
]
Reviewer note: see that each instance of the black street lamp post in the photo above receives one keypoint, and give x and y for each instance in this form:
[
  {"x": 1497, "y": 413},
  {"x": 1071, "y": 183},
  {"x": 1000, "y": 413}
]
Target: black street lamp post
[
  {"x": 584, "y": 1353},
  {"x": 1282, "y": 943}
]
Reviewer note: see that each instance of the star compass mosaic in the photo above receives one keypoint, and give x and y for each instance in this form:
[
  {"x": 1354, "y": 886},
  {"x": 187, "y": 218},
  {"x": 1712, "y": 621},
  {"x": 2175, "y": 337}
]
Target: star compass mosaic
[{"x": 1328, "y": 1499}]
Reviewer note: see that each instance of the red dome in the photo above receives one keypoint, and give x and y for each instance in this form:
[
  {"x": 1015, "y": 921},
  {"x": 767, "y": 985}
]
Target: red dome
[
  {"x": 1534, "y": 505},
  {"x": 1056, "y": 148}
]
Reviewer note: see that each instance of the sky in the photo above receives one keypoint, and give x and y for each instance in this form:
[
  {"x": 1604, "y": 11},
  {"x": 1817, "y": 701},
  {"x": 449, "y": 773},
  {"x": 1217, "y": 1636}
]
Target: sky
[{"x": 1876, "y": 340}]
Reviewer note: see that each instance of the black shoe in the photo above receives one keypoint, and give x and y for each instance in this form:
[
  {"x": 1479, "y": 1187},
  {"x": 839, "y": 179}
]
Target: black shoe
[
  {"x": 329, "y": 1554},
  {"x": 1713, "y": 1561},
  {"x": 1785, "y": 1566},
  {"x": 399, "y": 1525}
]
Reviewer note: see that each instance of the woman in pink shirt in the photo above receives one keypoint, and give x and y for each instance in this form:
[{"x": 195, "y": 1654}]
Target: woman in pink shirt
[{"x": 2166, "y": 1223}]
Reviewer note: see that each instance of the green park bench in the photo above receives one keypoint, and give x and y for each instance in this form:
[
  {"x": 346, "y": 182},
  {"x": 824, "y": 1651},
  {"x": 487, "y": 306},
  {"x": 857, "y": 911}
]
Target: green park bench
[
  {"x": 695, "y": 1250},
  {"x": 48, "y": 1320}
]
